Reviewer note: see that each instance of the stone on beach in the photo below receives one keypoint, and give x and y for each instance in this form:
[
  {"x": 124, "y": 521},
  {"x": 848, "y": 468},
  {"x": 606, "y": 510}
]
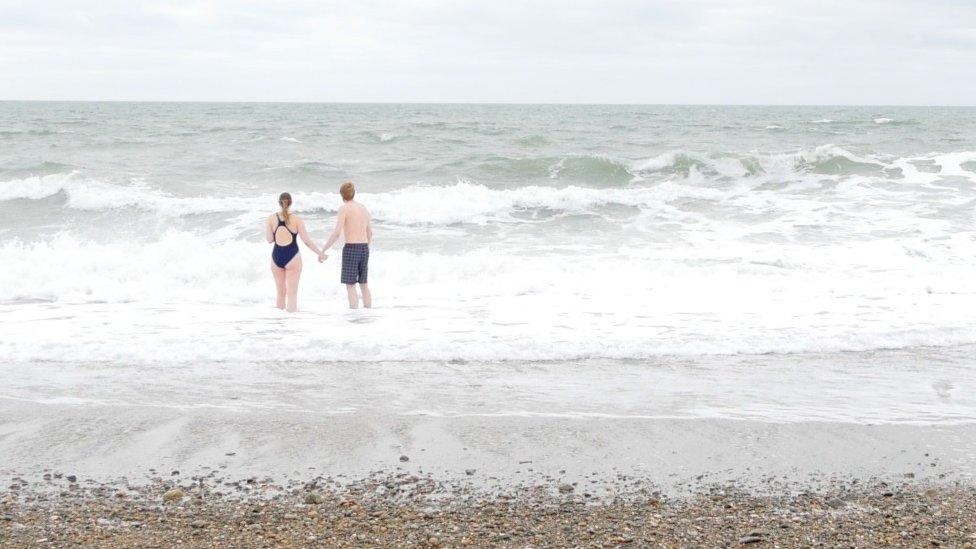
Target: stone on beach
[
  {"x": 314, "y": 498},
  {"x": 175, "y": 494}
]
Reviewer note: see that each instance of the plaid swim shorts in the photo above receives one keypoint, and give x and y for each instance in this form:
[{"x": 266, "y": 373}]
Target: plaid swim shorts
[{"x": 355, "y": 263}]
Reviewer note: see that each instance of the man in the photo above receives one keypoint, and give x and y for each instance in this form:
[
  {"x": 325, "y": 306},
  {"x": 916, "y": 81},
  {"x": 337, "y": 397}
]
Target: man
[{"x": 354, "y": 222}]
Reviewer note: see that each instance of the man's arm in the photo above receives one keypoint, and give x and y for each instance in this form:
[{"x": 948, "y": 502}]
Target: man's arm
[
  {"x": 340, "y": 222},
  {"x": 369, "y": 229}
]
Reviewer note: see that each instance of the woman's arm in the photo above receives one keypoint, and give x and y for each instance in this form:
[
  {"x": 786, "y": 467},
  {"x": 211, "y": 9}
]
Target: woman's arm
[
  {"x": 303, "y": 233},
  {"x": 268, "y": 231}
]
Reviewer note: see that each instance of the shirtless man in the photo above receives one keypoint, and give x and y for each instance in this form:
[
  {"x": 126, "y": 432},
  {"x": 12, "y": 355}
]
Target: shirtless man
[{"x": 354, "y": 222}]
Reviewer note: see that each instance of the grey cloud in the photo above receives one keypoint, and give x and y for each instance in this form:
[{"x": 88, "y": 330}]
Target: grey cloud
[{"x": 696, "y": 51}]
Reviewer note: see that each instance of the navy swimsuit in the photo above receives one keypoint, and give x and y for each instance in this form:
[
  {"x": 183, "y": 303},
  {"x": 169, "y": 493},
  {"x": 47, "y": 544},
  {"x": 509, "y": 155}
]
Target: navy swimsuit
[{"x": 281, "y": 255}]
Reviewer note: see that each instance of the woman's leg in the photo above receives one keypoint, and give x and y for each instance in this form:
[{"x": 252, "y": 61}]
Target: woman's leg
[
  {"x": 293, "y": 271},
  {"x": 279, "y": 277}
]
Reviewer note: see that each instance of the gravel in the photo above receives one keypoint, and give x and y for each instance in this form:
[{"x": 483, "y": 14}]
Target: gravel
[{"x": 421, "y": 511}]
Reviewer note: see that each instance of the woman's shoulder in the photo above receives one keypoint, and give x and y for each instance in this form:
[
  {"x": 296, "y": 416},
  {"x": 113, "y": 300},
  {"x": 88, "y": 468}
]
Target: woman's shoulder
[{"x": 295, "y": 223}]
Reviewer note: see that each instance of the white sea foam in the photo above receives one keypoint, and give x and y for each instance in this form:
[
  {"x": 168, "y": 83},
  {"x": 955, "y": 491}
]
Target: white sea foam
[
  {"x": 883, "y": 120},
  {"x": 188, "y": 298}
]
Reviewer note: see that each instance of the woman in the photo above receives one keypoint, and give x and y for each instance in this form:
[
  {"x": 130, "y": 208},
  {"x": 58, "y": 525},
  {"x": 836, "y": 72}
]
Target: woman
[{"x": 286, "y": 263}]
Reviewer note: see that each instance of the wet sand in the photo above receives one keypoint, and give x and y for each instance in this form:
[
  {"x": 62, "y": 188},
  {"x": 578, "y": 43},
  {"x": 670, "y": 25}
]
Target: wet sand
[{"x": 124, "y": 443}]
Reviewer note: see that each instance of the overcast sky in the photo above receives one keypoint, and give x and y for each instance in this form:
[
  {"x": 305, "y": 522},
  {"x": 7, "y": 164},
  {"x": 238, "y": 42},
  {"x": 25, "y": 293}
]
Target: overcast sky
[{"x": 612, "y": 51}]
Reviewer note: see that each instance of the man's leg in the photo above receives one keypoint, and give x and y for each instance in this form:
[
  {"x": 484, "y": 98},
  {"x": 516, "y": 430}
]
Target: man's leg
[
  {"x": 367, "y": 298},
  {"x": 353, "y": 297}
]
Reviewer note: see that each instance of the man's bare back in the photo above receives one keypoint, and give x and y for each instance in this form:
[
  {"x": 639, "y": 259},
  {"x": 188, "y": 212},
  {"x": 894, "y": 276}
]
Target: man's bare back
[{"x": 355, "y": 223}]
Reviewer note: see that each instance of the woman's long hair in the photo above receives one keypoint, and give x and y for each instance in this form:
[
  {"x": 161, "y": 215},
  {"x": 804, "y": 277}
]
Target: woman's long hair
[{"x": 284, "y": 200}]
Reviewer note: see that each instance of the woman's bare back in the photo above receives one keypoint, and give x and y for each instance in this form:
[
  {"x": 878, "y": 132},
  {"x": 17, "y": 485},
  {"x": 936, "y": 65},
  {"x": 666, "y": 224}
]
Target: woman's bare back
[{"x": 283, "y": 237}]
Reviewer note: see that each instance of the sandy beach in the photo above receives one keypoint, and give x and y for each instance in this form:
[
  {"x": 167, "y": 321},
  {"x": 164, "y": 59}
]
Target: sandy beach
[
  {"x": 212, "y": 479},
  {"x": 376, "y": 471}
]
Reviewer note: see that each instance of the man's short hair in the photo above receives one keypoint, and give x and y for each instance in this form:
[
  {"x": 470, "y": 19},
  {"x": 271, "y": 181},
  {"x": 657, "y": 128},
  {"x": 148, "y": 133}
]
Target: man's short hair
[{"x": 347, "y": 190}]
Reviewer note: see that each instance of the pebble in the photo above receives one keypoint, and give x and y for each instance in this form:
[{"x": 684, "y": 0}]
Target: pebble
[
  {"x": 455, "y": 514},
  {"x": 836, "y": 503},
  {"x": 72, "y": 478},
  {"x": 173, "y": 495},
  {"x": 314, "y": 498},
  {"x": 404, "y": 458}
]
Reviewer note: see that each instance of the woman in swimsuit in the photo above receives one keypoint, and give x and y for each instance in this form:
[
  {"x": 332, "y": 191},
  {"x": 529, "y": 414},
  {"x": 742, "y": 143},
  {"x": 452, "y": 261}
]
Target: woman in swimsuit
[{"x": 282, "y": 229}]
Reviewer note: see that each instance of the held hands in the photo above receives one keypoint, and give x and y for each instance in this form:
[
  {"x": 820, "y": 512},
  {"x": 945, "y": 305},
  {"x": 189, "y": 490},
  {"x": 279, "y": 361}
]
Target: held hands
[{"x": 322, "y": 256}]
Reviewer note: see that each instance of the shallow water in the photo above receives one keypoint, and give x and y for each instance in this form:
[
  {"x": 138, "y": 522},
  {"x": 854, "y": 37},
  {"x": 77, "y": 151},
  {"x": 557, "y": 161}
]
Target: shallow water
[{"x": 880, "y": 387}]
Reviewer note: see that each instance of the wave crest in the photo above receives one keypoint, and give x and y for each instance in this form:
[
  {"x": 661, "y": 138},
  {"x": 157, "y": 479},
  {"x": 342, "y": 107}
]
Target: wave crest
[{"x": 649, "y": 183}]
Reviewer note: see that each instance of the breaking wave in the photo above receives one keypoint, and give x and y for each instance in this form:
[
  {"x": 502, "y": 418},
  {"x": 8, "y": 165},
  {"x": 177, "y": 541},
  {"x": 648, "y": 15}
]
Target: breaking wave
[{"x": 650, "y": 182}]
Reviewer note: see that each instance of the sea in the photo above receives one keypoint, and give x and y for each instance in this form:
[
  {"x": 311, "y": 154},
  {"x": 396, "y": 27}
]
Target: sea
[{"x": 772, "y": 262}]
